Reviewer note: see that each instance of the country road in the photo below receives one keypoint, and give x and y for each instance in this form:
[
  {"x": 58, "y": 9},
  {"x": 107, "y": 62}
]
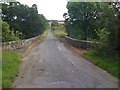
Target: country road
[{"x": 51, "y": 65}]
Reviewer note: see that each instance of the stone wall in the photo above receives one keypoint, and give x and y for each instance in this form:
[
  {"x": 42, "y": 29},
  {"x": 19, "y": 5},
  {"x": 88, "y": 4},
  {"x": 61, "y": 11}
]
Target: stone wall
[
  {"x": 80, "y": 43},
  {"x": 19, "y": 44}
]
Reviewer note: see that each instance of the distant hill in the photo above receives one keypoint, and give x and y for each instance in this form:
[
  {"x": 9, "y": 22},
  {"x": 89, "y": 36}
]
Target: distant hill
[{"x": 55, "y": 20}]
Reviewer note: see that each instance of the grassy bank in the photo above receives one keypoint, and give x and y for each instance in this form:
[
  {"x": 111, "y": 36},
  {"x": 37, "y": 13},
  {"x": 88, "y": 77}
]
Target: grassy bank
[
  {"x": 106, "y": 63},
  {"x": 0, "y": 69},
  {"x": 11, "y": 62},
  {"x": 10, "y": 66},
  {"x": 59, "y": 33},
  {"x": 44, "y": 35}
]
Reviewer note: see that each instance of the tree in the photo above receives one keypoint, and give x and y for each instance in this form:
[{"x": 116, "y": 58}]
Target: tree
[
  {"x": 7, "y": 34},
  {"x": 54, "y": 25},
  {"x": 24, "y": 19},
  {"x": 110, "y": 20},
  {"x": 97, "y": 21},
  {"x": 82, "y": 17}
]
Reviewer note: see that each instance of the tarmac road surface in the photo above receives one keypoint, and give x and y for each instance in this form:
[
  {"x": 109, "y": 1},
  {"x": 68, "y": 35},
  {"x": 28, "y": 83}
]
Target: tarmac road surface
[{"x": 51, "y": 65}]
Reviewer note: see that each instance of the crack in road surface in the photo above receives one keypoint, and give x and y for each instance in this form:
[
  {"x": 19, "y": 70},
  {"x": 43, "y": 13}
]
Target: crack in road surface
[{"x": 51, "y": 65}]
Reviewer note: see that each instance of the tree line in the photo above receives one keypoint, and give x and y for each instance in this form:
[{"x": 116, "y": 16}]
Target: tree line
[
  {"x": 97, "y": 22},
  {"x": 21, "y": 21}
]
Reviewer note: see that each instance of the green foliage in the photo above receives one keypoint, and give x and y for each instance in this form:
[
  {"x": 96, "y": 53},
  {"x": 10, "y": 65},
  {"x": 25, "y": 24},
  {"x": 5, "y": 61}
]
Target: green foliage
[
  {"x": 0, "y": 69},
  {"x": 10, "y": 67},
  {"x": 80, "y": 19},
  {"x": 7, "y": 34},
  {"x": 24, "y": 19},
  {"x": 103, "y": 35},
  {"x": 102, "y": 40},
  {"x": 54, "y": 25},
  {"x": 59, "y": 33},
  {"x": 105, "y": 62},
  {"x": 95, "y": 21},
  {"x": 109, "y": 20}
]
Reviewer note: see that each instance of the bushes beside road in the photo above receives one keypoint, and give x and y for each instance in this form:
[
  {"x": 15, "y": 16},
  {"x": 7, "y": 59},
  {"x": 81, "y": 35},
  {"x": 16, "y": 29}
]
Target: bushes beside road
[
  {"x": 98, "y": 22},
  {"x": 110, "y": 64},
  {"x": 23, "y": 20}
]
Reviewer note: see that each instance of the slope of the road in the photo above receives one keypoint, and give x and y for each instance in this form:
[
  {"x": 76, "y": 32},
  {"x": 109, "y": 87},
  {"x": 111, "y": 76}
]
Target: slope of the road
[{"x": 51, "y": 65}]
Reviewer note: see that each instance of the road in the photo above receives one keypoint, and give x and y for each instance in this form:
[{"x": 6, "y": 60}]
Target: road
[{"x": 51, "y": 65}]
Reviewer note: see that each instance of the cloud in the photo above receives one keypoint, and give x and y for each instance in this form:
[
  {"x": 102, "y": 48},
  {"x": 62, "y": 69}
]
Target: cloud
[{"x": 51, "y": 9}]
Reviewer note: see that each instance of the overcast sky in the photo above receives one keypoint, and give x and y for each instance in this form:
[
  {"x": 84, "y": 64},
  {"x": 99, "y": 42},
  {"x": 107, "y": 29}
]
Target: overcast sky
[{"x": 51, "y": 9}]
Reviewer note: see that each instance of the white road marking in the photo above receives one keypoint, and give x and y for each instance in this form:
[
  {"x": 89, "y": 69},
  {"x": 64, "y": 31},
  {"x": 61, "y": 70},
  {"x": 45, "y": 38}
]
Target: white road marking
[
  {"x": 72, "y": 62},
  {"x": 58, "y": 82},
  {"x": 62, "y": 48},
  {"x": 59, "y": 48}
]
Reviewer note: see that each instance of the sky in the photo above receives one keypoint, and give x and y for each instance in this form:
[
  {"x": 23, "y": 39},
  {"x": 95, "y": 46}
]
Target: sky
[{"x": 51, "y": 9}]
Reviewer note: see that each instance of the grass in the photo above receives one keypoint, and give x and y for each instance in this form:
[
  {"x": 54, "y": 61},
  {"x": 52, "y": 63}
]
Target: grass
[
  {"x": 59, "y": 33},
  {"x": 44, "y": 35},
  {"x": 0, "y": 69},
  {"x": 10, "y": 67},
  {"x": 11, "y": 62},
  {"x": 106, "y": 63}
]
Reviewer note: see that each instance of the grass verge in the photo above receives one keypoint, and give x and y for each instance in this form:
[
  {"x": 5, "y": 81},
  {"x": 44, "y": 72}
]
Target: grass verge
[
  {"x": 11, "y": 62},
  {"x": 59, "y": 33},
  {"x": 0, "y": 69},
  {"x": 44, "y": 35},
  {"x": 10, "y": 67},
  {"x": 106, "y": 63}
]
